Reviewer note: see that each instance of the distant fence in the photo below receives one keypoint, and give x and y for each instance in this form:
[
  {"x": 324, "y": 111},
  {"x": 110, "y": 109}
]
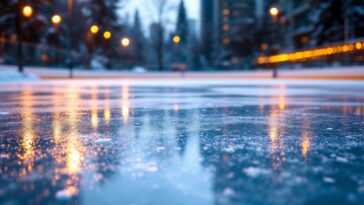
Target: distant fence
[
  {"x": 38, "y": 55},
  {"x": 44, "y": 55},
  {"x": 350, "y": 53}
]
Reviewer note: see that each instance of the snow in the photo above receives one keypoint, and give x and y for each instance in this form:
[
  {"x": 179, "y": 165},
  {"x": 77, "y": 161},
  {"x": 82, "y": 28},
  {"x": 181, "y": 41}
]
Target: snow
[
  {"x": 8, "y": 76},
  {"x": 152, "y": 167},
  {"x": 160, "y": 148},
  {"x": 255, "y": 171},
  {"x": 329, "y": 180},
  {"x": 103, "y": 141},
  {"x": 228, "y": 192},
  {"x": 67, "y": 194}
]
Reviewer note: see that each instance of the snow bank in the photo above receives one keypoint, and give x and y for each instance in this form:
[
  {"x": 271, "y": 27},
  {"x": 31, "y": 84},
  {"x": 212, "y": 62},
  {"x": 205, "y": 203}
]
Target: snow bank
[{"x": 9, "y": 76}]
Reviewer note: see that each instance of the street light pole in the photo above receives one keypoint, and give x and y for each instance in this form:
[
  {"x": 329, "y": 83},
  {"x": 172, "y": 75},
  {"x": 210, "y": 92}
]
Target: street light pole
[
  {"x": 94, "y": 29},
  {"x": 19, "y": 36},
  {"x": 21, "y": 11},
  {"x": 70, "y": 65},
  {"x": 274, "y": 12}
]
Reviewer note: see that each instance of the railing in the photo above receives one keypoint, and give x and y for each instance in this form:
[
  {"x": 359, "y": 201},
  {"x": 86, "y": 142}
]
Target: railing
[
  {"x": 348, "y": 53},
  {"x": 44, "y": 55}
]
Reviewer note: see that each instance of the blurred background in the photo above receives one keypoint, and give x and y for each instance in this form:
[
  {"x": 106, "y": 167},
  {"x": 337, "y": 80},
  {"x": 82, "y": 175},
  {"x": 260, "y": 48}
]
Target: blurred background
[{"x": 166, "y": 35}]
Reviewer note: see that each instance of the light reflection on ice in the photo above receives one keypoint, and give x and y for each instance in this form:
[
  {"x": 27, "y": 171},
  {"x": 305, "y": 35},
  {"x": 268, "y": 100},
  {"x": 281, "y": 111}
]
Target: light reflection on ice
[{"x": 194, "y": 146}]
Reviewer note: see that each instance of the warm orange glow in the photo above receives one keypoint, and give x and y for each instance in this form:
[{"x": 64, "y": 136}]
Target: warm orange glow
[
  {"x": 275, "y": 134},
  {"x": 107, "y": 112},
  {"x": 305, "y": 145},
  {"x": 94, "y": 29},
  {"x": 125, "y": 42},
  {"x": 94, "y": 108},
  {"x": 226, "y": 27},
  {"x": 27, "y": 11},
  {"x": 73, "y": 160},
  {"x": 74, "y": 148},
  {"x": 311, "y": 54},
  {"x": 358, "y": 45},
  {"x": 226, "y": 12},
  {"x": 176, "y": 39},
  {"x": 226, "y": 41},
  {"x": 274, "y": 11},
  {"x": 264, "y": 46},
  {"x": 125, "y": 103},
  {"x": 57, "y": 120},
  {"x": 28, "y": 134},
  {"x": 107, "y": 34},
  {"x": 282, "y": 97},
  {"x": 56, "y": 19}
]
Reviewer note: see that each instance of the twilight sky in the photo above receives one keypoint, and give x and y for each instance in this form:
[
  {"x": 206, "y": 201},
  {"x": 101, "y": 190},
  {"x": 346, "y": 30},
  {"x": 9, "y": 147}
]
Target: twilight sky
[{"x": 147, "y": 12}]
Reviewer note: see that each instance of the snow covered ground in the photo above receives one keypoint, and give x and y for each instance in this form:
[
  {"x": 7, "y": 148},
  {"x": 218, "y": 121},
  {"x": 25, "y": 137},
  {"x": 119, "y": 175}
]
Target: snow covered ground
[
  {"x": 11, "y": 76},
  {"x": 350, "y": 73}
]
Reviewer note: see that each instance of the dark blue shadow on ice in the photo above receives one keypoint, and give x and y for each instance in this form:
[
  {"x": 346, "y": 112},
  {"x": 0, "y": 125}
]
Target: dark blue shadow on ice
[{"x": 81, "y": 144}]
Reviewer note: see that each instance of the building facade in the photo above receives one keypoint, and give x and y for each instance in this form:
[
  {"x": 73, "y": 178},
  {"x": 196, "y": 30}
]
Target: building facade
[
  {"x": 296, "y": 22},
  {"x": 207, "y": 17},
  {"x": 227, "y": 31}
]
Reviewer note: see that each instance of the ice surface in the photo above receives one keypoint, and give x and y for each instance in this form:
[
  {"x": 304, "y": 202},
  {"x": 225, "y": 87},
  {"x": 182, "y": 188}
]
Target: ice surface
[{"x": 211, "y": 142}]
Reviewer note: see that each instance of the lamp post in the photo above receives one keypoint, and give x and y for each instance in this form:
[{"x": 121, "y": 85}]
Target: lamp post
[
  {"x": 274, "y": 12},
  {"x": 21, "y": 11},
  {"x": 176, "y": 39},
  {"x": 56, "y": 19},
  {"x": 70, "y": 64},
  {"x": 125, "y": 42},
  {"x": 107, "y": 35},
  {"x": 94, "y": 29}
]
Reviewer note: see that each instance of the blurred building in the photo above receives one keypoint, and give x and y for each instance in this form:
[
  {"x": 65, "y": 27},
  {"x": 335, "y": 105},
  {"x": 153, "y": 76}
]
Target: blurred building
[
  {"x": 192, "y": 28},
  {"x": 234, "y": 24},
  {"x": 227, "y": 32},
  {"x": 296, "y": 24},
  {"x": 153, "y": 31},
  {"x": 207, "y": 17}
]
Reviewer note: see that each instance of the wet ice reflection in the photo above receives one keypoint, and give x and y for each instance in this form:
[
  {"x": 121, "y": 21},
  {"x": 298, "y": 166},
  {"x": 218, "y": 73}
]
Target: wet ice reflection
[{"x": 125, "y": 144}]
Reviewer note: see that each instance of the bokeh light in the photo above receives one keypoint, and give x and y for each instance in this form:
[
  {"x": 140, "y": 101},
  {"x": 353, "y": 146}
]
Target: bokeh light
[
  {"x": 27, "y": 11},
  {"x": 125, "y": 42},
  {"x": 56, "y": 19},
  {"x": 107, "y": 34},
  {"x": 94, "y": 29}
]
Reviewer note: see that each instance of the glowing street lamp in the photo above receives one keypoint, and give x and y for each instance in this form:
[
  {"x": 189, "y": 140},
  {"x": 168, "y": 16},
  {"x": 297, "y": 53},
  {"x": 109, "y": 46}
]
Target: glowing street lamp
[
  {"x": 56, "y": 19},
  {"x": 70, "y": 23},
  {"x": 27, "y": 11},
  {"x": 94, "y": 29},
  {"x": 274, "y": 11},
  {"x": 176, "y": 39},
  {"x": 125, "y": 42},
  {"x": 21, "y": 11},
  {"x": 107, "y": 34}
]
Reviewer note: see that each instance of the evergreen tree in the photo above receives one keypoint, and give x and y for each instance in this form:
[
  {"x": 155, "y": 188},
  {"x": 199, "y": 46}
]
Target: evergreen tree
[
  {"x": 182, "y": 24},
  {"x": 32, "y": 29},
  {"x": 104, "y": 14},
  {"x": 138, "y": 39}
]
